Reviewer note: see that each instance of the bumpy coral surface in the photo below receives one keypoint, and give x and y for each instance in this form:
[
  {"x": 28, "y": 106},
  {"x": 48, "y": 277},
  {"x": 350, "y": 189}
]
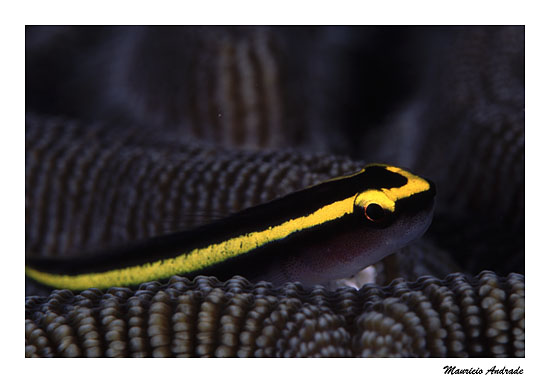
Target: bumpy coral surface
[{"x": 454, "y": 317}]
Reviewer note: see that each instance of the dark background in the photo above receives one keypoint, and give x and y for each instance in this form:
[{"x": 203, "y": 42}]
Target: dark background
[{"x": 447, "y": 102}]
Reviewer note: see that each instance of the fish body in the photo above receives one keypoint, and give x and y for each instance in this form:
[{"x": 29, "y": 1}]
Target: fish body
[{"x": 327, "y": 231}]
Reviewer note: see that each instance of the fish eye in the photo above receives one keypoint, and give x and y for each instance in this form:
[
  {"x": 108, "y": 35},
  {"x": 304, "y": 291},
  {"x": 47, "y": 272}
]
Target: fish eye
[{"x": 374, "y": 212}]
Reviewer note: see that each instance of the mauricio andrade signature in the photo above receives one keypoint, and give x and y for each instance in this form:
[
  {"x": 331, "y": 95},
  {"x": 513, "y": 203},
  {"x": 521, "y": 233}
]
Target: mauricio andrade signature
[{"x": 453, "y": 370}]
